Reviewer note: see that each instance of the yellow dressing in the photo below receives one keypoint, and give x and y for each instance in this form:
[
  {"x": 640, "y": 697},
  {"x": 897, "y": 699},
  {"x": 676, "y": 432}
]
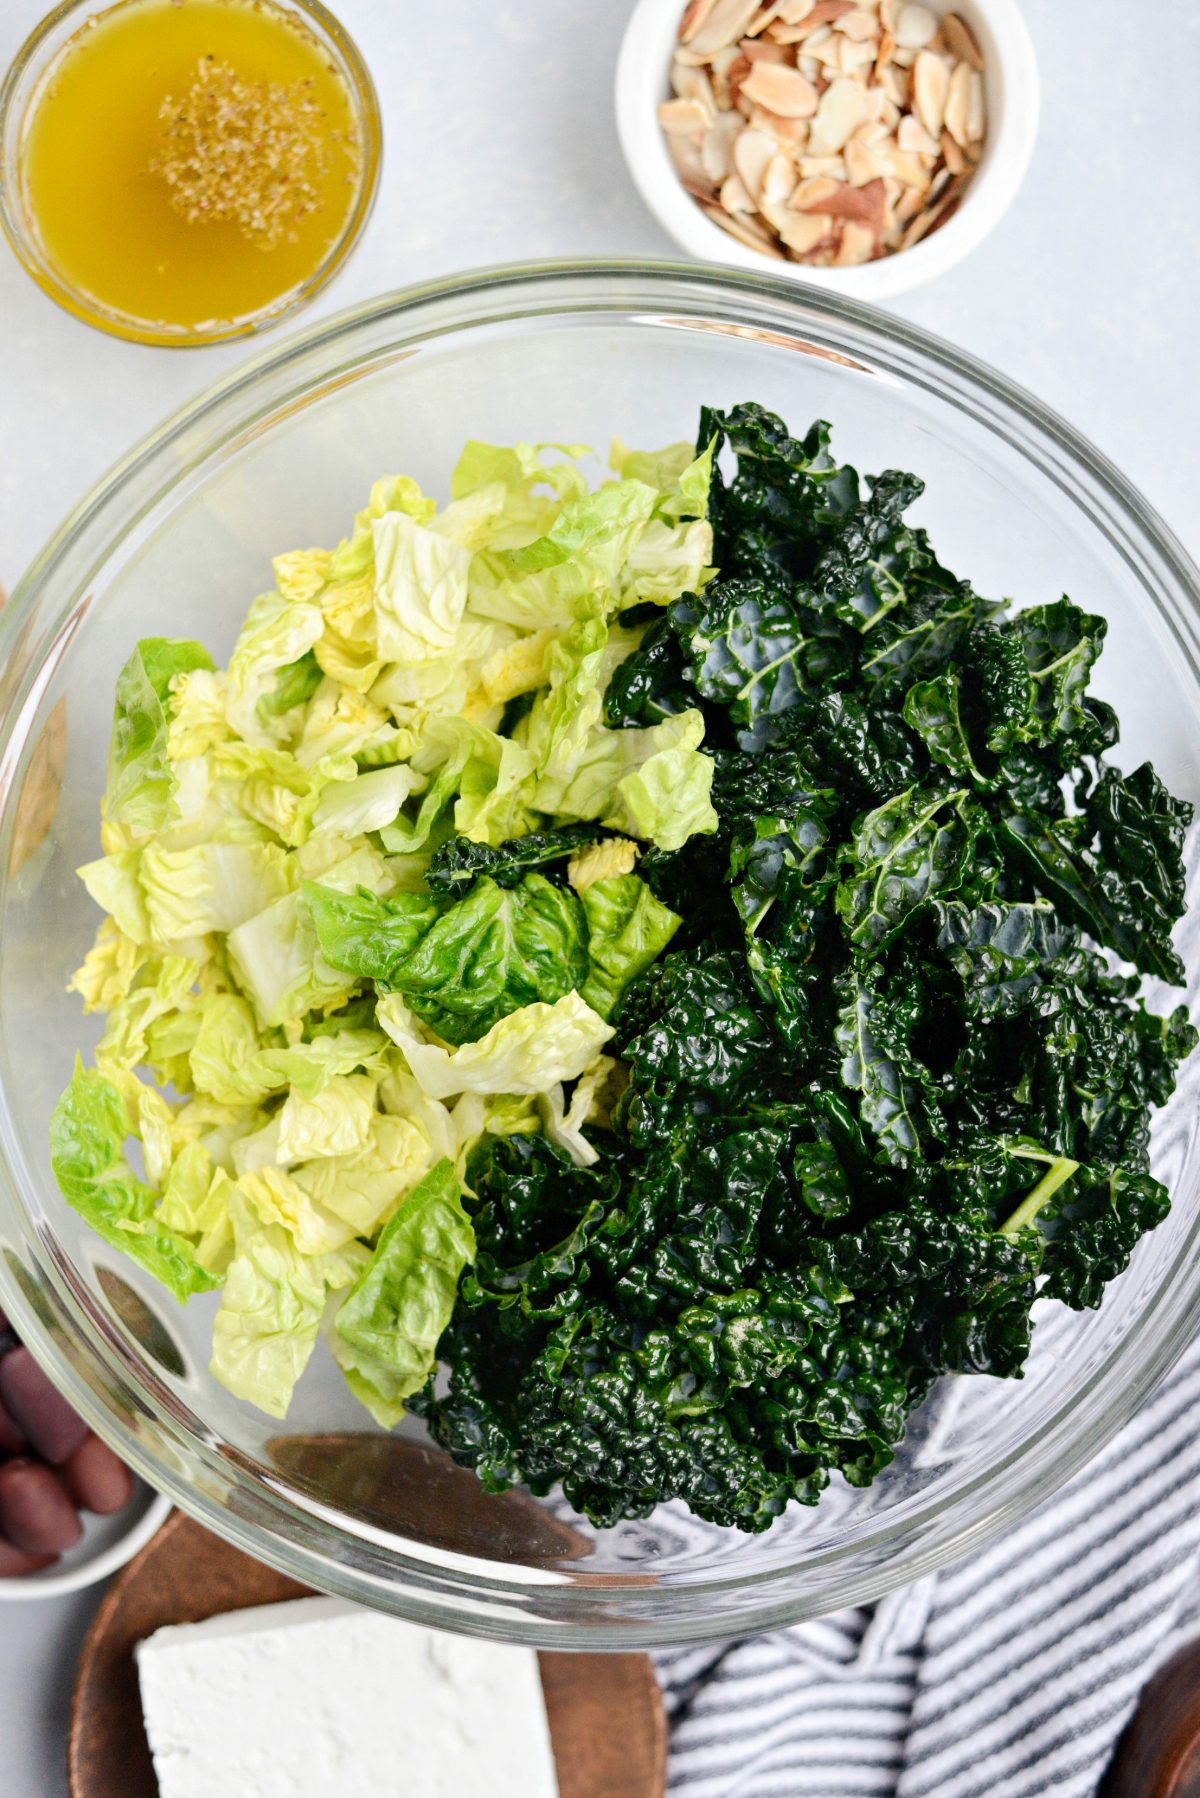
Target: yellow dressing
[{"x": 96, "y": 146}]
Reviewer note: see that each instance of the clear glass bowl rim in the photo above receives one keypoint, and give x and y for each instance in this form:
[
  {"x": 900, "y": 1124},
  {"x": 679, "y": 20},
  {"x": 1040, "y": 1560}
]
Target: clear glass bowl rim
[
  {"x": 19, "y": 85},
  {"x": 98, "y": 1370}
]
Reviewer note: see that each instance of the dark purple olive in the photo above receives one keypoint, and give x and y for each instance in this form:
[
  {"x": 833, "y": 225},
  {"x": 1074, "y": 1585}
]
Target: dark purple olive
[
  {"x": 37, "y": 1408},
  {"x": 96, "y": 1479},
  {"x": 36, "y": 1513}
]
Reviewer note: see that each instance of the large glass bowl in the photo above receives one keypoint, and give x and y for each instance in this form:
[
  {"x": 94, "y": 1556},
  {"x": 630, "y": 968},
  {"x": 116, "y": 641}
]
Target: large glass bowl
[{"x": 177, "y": 540}]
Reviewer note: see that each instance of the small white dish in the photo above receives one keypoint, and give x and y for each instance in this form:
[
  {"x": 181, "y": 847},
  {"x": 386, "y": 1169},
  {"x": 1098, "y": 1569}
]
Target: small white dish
[
  {"x": 1012, "y": 86},
  {"x": 107, "y": 1543}
]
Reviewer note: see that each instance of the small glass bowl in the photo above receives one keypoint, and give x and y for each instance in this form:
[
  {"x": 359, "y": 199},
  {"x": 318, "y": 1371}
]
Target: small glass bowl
[{"x": 19, "y": 93}]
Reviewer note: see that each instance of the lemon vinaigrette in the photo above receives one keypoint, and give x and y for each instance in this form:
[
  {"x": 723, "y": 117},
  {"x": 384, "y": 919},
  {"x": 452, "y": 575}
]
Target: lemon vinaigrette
[{"x": 189, "y": 165}]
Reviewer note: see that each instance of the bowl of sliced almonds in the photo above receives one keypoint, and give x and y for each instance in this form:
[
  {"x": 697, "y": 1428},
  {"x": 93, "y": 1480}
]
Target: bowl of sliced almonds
[{"x": 864, "y": 145}]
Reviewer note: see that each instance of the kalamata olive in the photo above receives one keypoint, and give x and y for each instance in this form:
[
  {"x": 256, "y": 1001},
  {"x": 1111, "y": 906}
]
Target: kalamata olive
[
  {"x": 35, "y": 1512},
  {"x": 96, "y": 1479},
  {"x": 14, "y": 1562},
  {"x": 12, "y": 1440},
  {"x": 37, "y": 1408}
]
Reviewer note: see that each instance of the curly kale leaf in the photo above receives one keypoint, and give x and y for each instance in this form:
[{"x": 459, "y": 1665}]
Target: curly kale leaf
[
  {"x": 460, "y": 862},
  {"x": 1004, "y": 953},
  {"x": 745, "y": 644},
  {"x": 917, "y": 844},
  {"x": 787, "y": 495}
]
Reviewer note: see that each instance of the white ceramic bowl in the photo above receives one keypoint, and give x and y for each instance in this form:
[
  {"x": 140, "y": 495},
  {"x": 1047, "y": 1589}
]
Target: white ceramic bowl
[
  {"x": 107, "y": 1543},
  {"x": 1012, "y": 86}
]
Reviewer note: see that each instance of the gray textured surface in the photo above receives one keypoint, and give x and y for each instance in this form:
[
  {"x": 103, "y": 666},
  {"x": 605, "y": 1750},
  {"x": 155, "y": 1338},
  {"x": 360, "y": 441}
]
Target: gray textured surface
[{"x": 500, "y": 146}]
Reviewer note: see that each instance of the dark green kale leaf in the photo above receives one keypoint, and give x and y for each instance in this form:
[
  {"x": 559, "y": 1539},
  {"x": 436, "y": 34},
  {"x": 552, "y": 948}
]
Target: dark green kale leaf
[
  {"x": 1005, "y": 953},
  {"x": 786, "y": 497},
  {"x": 460, "y": 862},
  {"x": 746, "y": 644},
  {"x": 915, "y": 845}
]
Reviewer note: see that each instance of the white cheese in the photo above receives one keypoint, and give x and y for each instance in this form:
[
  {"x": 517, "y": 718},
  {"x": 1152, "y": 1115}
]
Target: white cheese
[{"x": 317, "y": 1699}]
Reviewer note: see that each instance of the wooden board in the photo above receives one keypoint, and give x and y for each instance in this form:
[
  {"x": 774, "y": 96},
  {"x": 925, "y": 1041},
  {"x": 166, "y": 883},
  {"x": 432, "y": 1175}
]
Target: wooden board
[{"x": 605, "y": 1710}]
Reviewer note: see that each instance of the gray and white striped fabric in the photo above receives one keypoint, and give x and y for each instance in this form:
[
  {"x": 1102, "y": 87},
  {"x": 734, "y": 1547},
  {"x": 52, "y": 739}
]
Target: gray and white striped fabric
[{"x": 1009, "y": 1675}]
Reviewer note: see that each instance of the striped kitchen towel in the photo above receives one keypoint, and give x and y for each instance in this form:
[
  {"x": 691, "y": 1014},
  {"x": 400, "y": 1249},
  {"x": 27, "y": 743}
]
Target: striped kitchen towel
[{"x": 1009, "y": 1675}]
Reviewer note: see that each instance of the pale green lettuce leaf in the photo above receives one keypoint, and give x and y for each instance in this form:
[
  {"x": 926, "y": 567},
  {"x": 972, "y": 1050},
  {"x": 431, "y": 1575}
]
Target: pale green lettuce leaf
[
  {"x": 653, "y": 784},
  {"x": 230, "y": 1063},
  {"x": 212, "y": 886},
  {"x": 420, "y": 589},
  {"x": 334, "y": 1121},
  {"x": 526, "y": 1052},
  {"x": 113, "y": 883},
  {"x": 364, "y": 1189},
  {"x": 550, "y": 580},
  {"x": 140, "y": 779},
  {"x": 109, "y": 968},
  {"x": 388, "y": 1326},
  {"x": 271, "y": 1308},
  {"x": 277, "y": 632},
  {"x": 667, "y": 561},
  {"x": 369, "y": 802},
  {"x": 195, "y": 1203},
  {"x": 278, "y": 1200},
  {"x": 564, "y": 1124},
  {"x": 628, "y": 929},
  {"x": 164, "y": 988},
  {"x": 680, "y": 477},
  {"x": 88, "y": 1131},
  {"x": 278, "y": 962}
]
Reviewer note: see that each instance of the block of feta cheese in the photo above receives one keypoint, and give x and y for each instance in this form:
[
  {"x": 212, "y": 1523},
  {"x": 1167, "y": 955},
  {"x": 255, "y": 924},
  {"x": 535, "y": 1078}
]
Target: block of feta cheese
[{"x": 316, "y": 1698}]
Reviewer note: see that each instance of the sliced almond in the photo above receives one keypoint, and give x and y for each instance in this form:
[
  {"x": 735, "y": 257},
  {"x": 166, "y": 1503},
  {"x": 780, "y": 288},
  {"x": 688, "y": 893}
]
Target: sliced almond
[
  {"x": 724, "y": 24},
  {"x": 858, "y": 56},
  {"x": 960, "y": 40},
  {"x": 914, "y": 27},
  {"x": 736, "y": 73},
  {"x": 857, "y": 245},
  {"x": 865, "y": 205},
  {"x": 734, "y": 197},
  {"x": 683, "y": 118},
  {"x": 911, "y": 201},
  {"x": 909, "y": 170},
  {"x": 976, "y": 110},
  {"x": 781, "y": 90},
  {"x": 685, "y": 154},
  {"x": 958, "y": 103},
  {"x": 764, "y": 50},
  {"x": 752, "y": 152},
  {"x": 888, "y": 11},
  {"x": 838, "y": 113},
  {"x": 792, "y": 12},
  {"x": 859, "y": 26},
  {"x": 925, "y": 221},
  {"x": 743, "y": 227},
  {"x": 694, "y": 17},
  {"x": 792, "y": 134},
  {"x": 778, "y": 182},
  {"x": 818, "y": 168},
  {"x": 912, "y": 136},
  {"x": 931, "y": 84},
  {"x": 805, "y": 230},
  {"x": 815, "y": 195},
  {"x": 887, "y": 45},
  {"x": 861, "y": 165},
  {"x": 766, "y": 17},
  {"x": 894, "y": 82},
  {"x": 716, "y": 149},
  {"x": 952, "y": 155}
]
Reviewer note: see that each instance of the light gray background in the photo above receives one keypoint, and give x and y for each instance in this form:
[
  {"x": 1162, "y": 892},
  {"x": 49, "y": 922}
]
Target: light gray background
[{"x": 500, "y": 146}]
